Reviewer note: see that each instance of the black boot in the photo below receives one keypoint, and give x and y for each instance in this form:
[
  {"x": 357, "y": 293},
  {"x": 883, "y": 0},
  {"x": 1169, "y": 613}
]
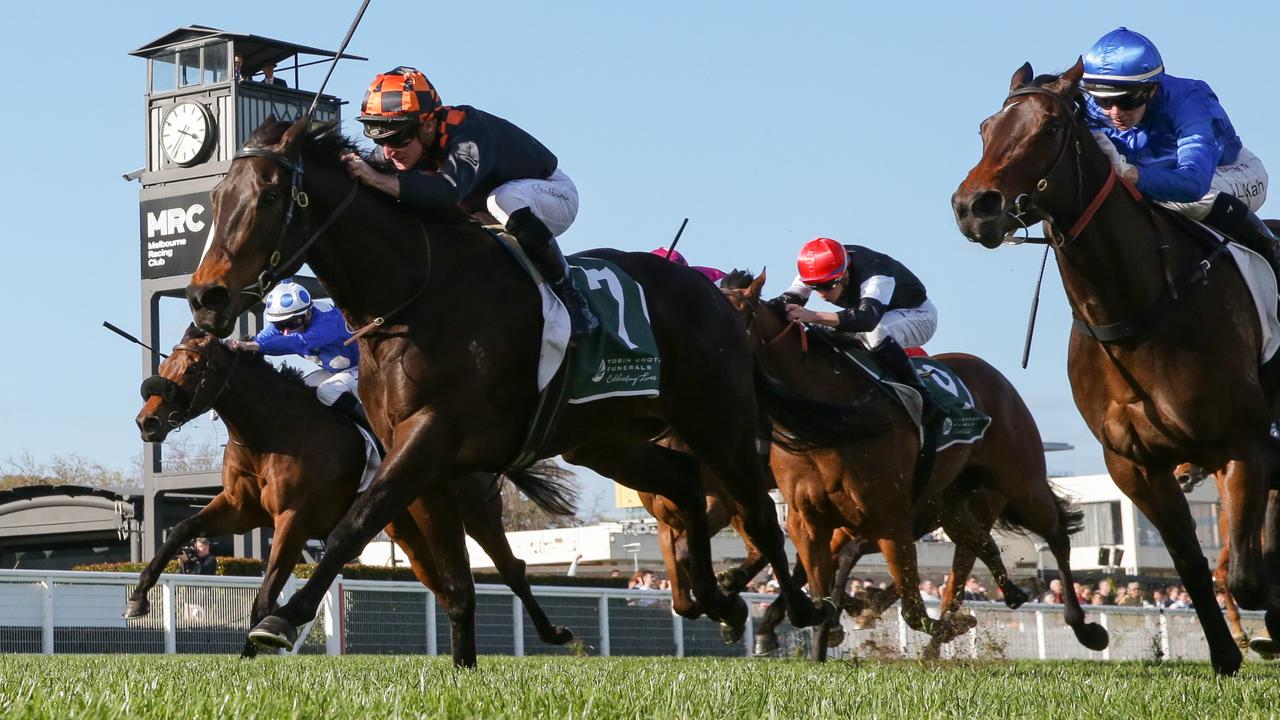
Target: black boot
[
  {"x": 1232, "y": 216},
  {"x": 540, "y": 245},
  {"x": 896, "y": 363},
  {"x": 349, "y": 406}
]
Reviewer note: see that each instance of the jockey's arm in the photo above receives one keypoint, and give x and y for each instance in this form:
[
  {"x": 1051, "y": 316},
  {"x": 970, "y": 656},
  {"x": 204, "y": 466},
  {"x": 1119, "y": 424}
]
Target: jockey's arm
[
  {"x": 273, "y": 342},
  {"x": 1199, "y": 150},
  {"x": 468, "y": 161}
]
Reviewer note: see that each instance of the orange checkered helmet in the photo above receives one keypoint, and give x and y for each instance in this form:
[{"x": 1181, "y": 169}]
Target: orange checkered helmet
[{"x": 396, "y": 103}]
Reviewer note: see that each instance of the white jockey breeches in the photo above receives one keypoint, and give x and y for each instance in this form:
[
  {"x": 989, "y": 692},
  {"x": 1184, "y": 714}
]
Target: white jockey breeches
[
  {"x": 330, "y": 385},
  {"x": 911, "y": 327},
  {"x": 1246, "y": 178},
  {"x": 554, "y": 201}
]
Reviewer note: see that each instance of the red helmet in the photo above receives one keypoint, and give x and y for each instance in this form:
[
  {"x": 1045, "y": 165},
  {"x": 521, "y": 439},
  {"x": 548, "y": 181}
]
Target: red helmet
[{"x": 821, "y": 261}]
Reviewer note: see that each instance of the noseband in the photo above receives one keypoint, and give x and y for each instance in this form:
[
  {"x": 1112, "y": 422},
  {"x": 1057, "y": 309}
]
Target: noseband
[
  {"x": 298, "y": 198},
  {"x": 175, "y": 395},
  {"x": 1025, "y": 204}
]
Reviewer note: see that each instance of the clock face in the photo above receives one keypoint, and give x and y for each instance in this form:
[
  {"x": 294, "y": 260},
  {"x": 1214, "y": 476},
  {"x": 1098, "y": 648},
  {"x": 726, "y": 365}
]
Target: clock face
[{"x": 187, "y": 133}]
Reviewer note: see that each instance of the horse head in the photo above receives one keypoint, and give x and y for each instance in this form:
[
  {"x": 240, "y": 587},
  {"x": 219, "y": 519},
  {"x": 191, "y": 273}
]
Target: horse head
[
  {"x": 186, "y": 384},
  {"x": 765, "y": 321},
  {"x": 1023, "y": 148},
  {"x": 254, "y": 226}
]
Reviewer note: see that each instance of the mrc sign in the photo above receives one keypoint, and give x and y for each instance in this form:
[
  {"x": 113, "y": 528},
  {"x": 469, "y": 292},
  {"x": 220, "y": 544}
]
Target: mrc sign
[{"x": 174, "y": 232}]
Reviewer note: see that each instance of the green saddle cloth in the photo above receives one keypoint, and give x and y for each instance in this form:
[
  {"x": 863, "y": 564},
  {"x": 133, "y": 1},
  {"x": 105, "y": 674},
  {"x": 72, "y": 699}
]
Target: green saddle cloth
[
  {"x": 962, "y": 421},
  {"x": 621, "y": 359}
]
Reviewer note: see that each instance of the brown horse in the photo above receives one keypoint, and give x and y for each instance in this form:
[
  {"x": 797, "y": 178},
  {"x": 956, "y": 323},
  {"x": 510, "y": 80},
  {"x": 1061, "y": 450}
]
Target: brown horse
[
  {"x": 1189, "y": 475},
  {"x": 301, "y": 482},
  {"x": 449, "y": 385},
  {"x": 866, "y": 484},
  {"x": 1164, "y": 359}
]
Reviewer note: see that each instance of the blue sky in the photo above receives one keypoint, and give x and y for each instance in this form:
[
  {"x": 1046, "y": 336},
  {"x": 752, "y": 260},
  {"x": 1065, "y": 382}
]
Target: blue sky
[{"x": 765, "y": 123}]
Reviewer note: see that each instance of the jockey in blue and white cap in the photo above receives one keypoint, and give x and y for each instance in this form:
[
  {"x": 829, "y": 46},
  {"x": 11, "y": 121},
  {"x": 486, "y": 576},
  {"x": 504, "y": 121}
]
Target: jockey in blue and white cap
[
  {"x": 1170, "y": 137},
  {"x": 296, "y": 326}
]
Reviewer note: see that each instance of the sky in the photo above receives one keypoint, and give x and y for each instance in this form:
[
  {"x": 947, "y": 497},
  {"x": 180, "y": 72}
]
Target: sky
[{"x": 766, "y": 124}]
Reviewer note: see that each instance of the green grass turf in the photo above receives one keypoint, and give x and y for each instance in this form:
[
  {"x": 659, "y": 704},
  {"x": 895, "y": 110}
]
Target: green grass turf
[{"x": 202, "y": 686}]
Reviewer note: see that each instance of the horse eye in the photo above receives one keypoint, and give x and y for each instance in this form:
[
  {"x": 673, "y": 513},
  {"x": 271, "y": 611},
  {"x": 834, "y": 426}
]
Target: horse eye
[
  {"x": 190, "y": 369},
  {"x": 270, "y": 196},
  {"x": 1050, "y": 128}
]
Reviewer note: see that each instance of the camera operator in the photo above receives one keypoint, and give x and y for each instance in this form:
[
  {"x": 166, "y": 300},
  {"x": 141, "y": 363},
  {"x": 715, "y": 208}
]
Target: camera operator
[{"x": 197, "y": 559}]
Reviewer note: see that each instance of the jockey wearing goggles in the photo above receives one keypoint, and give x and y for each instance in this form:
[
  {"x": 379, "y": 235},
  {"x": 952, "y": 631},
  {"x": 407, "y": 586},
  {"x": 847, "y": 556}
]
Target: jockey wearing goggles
[
  {"x": 297, "y": 327},
  {"x": 1170, "y": 137},
  {"x": 445, "y": 156},
  {"x": 885, "y": 305}
]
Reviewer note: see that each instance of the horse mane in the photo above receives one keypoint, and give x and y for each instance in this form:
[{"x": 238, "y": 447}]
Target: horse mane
[
  {"x": 326, "y": 142},
  {"x": 1077, "y": 101},
  {"x": 737, "y": 279}
]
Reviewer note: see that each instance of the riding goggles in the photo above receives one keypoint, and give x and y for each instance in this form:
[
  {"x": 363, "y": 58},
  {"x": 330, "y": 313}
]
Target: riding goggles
[
  {"x": 1126, "y": 102},
  {"x": 824, "y": 286},
  {"x": 293, "y": 323}
]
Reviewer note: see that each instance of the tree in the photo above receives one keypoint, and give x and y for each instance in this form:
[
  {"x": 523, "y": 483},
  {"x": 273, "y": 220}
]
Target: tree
[{"x": 73, "y": 469}]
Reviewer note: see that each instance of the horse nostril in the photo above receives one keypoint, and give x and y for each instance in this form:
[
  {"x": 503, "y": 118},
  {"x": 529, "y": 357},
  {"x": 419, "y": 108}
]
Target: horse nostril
[
  {"x": 211, "y": 297},
  {"x": 150, "y": 424},
  {"x": 987, "y": 204}
]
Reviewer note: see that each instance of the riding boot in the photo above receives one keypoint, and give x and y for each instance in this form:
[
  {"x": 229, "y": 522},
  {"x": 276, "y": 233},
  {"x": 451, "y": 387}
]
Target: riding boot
[
  {"x": 351, "y": 408},
  {"x": 540, "y": 245},
  {"x": 899, "y": 368},
  {"x": 1232, "y": 216}
]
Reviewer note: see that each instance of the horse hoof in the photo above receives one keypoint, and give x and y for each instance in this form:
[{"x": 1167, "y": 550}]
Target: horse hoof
[
  {"x": 274, "y": 632},
  {"x": 1227, "y": 663},
  {"x": 835, "y": 636},
  {"x": 765, "y": 645},
  {"x": 560, "y": 635},
  {"x": 1265, "y": 646},
  {"x": 137, "y": 609},
  {"x": 732, "y": 634},
  {"x": 962, "y": 624},
  {"x": 738, "y": 612},
  {"x": 1093, "y": 636},
  {"x": 1014, "y": 597},
  {"x": 1242, "y": 641}
]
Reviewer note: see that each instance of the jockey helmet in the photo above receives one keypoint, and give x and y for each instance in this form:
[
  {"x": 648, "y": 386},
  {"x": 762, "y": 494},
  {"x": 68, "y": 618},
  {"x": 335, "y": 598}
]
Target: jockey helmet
[
  {"x": 821, "y": 261},
  {"x": 286, "y": 300},
  {"x": 397, "y": 102},
  {"x": 672, "y": 255},
  {"x": 1121, "y": 62}
]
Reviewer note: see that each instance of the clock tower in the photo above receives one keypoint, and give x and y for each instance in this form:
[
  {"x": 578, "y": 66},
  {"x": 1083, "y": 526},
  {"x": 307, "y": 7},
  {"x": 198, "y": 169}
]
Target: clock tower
[{"x": 207, "y": 90}]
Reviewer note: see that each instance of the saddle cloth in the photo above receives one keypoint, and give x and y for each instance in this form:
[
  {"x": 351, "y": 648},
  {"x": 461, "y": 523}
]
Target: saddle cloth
[
  {"x": 1261, "y": 281},
  {"x": 621, "y": 359},
  {"x": 962, "y": 423}
]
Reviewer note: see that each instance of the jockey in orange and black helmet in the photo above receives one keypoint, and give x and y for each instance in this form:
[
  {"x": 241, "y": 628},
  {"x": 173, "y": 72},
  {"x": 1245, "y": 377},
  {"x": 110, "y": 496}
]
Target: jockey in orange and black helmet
[
  {"x": 885, "y": 305},
  {"x": 460, "y": 156}
]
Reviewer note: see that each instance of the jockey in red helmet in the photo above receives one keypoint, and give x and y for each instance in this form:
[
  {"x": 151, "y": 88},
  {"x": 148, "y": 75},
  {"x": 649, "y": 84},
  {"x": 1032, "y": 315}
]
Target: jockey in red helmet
[
  {"x": 443, "y": 156},
  {"x": 885, "y": 305}
]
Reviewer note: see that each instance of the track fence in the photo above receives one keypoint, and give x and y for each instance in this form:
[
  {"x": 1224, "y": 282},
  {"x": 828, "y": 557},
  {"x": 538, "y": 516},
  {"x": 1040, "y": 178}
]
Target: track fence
[{"x": 80, "y": 612}]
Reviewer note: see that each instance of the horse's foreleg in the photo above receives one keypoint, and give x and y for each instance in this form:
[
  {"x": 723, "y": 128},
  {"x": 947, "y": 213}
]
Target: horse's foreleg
[
  {"x": 412, "y": 464},
  {"x": 813, "y": 549},
  {"x": 672, "y": 547},
  {"x": 736, "y": 579},
  {"x": 483, "y": 522},
  {"x": 1244, "y": 500},
  {"x": 1158, "y": 496},
  {"x": 219, "y": 517},
  {"x": 900, "y": 556},
  {"x": 430, "y": 531},
  {"x": 766, "y": 642},
  {"x": 287, "y": 541}
]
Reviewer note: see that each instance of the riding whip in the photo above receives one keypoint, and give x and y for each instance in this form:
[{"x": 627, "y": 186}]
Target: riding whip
[
  {"x": 131, "y": 338},
  {"x": 1035, "y": 305},
  {"x": 671, "y": 249},
  {"x": 341, "y": 49}
]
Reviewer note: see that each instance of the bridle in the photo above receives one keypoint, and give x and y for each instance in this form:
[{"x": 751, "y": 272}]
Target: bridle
[
  {"x": 277, "y": 270},
  {"x": 1025, "y": 204},
  {"x": 175, "y": 395}
]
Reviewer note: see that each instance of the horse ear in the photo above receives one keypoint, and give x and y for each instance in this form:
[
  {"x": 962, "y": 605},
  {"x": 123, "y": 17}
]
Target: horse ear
[
  {"x": 193, "y": 332},
  {"x": 753, "y": 290},
  {"x": 1072, "y": 76},
  {"x": 293, "y": 136},
  {"x": 1021, "y": 77}
]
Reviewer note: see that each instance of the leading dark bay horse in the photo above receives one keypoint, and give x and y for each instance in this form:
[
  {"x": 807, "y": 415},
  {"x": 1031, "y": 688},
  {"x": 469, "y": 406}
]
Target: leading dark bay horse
[
  {"x": 1164, "y": 361},
  {"x": 300, "y": 482},
  {"x": 448, "y": 362},
  {"x": 866, "y": 485}
]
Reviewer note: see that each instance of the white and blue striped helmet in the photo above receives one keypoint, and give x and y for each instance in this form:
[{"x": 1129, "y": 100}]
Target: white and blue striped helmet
[
  {"x": 1119, "y": 61},
  {"x": 286, "y": 300}
]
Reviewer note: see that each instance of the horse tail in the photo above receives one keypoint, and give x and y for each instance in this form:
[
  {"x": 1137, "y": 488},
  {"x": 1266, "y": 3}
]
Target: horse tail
[
  {"x": 1070, "y": 518},
  {"x": 814, "y": 424},
  {"x": 548, "y": 485}
]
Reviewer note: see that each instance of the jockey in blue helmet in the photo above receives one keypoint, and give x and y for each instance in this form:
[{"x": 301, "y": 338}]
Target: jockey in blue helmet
[
  {"x": 296, "y": 326},
  {"x": 1170, "y": 137}
]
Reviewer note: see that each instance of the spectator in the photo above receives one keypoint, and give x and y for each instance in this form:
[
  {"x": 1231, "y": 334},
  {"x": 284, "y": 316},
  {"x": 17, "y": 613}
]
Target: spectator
[
  {"x": 974, "y": 591},
  {"x": 1054, "y": 596},
  {"x": 269, "y": 76},
  {"x": 198, "y": 558},
  {"x": 1158, "y": 599},
  {"x": 615, "y": 573},
  {"x": 1107, "y": 590},
  {"x": 1097, "y": 598}
]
